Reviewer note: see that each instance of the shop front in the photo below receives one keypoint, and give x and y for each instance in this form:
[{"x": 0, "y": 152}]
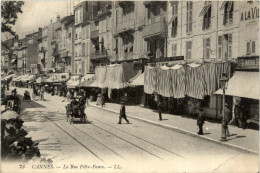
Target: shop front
[
  {"x": 184, "y": 88},
  {"x": 243, "y": 88},
  {"x": 114, "y": 81}
]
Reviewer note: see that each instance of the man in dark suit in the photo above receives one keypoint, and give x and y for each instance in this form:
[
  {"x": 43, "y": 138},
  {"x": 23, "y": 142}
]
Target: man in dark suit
[
  {"x": 200, "y": 121},
  {"x": 122, "y": 113}
]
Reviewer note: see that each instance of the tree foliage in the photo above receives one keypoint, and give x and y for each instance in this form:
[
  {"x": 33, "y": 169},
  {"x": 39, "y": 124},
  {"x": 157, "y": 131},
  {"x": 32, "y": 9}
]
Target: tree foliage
[{"x": 9, "y": 12}]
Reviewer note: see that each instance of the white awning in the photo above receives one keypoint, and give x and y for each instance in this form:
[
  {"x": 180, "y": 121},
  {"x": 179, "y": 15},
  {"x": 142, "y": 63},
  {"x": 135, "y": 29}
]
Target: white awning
[
  {"x": 243, "y": 84},
  {"x": 139, "y": 81}
]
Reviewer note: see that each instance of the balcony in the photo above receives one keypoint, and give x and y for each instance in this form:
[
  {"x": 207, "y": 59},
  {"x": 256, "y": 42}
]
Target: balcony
[
  {"x": 94, "y": 34},
  {"x": 126, "y": 26},
  {"x": 140, "y": 23},
  {"x": 99, "y": 54},
  {"x": 158, "y": 28}
]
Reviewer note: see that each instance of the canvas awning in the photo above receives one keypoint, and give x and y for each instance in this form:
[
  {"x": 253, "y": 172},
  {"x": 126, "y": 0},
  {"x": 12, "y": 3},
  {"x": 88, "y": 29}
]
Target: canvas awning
[
  {"x": 86, "y": 80},
  {"x": 243, "y": 84},
  {"x": 93, "y": 84},
  {"x": 138, "y": 80},
  {"x": 40, "y": 80},
  {"x": 21, "y": 78},
  {"x": 28, "y": 78},
  {"x": 73, "y": 82}
]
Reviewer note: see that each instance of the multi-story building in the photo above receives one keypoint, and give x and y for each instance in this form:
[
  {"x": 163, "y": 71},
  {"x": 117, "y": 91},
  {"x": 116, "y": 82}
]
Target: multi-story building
[
  {"x": 67, "y": 42},
  {"x": 22, "y": 56},
  {"x": 32, "y": 52},
  {"x": 155, "y": 29},
  {"x": 204, "y": 29},
  {"x": 6, "y": 55},
  {"x": 101, "y": 34},
  {"x": 81, "y": 15},
  {"x": 49, "y": 39}
]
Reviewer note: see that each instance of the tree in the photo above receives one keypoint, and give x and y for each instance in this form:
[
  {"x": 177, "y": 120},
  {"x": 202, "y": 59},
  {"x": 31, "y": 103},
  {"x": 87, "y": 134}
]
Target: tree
[{"x": 9, "y": 12}]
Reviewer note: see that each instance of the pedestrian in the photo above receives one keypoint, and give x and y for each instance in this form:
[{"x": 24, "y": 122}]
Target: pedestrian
[
  {"x": 225, "y": 121},
  {"x": 42, "y": 93},
  {"x": 102, "y": 100},
  {"x": 160, "y": 108},
  {"x": 200, "y": 121},
  {"x": 99, "y": 99},
  {"x": 122, "y": 113}
]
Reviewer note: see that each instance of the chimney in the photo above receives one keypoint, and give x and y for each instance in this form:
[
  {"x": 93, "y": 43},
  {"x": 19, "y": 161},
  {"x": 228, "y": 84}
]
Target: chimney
[
  {"x": 58, "y": 18},
  {"x": 39, "y": 29},
  {"x": 51, "y": 20}
]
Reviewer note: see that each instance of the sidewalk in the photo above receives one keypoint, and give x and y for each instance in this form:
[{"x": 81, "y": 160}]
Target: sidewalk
[{"x": 244, "y": 140}]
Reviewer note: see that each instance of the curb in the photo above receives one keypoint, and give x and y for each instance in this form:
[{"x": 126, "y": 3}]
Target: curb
[{"x": 182, "y": 131}]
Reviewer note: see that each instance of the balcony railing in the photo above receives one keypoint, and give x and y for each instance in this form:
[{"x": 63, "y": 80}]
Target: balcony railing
[
  {"x": 98, "y": 54},
  {"x": 94, "y": 34},
  {"x": 140, "y": 22},
  {"x": 154, "y": 28},
  {"x": 127, "y": 25}
]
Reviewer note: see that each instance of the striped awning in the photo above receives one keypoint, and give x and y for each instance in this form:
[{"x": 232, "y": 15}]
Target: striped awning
[
  {"x": 205, "y": 10},
  {"x": 230, "y": 3},
  {"x": 172, "y": 19},
  {"x": 243, "y": 84}
]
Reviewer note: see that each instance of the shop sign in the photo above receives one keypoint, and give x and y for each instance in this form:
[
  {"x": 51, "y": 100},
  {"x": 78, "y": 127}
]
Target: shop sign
[
  {"x": 248, "y": 62},
  {"x": 250, "y": 14},
  {"x": 174, "y": 58}
]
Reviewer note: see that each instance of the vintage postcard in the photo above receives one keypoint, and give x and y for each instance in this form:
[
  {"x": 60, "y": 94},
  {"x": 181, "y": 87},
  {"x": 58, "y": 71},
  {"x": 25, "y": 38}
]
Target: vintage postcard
[{"x": 129, "y": 86}]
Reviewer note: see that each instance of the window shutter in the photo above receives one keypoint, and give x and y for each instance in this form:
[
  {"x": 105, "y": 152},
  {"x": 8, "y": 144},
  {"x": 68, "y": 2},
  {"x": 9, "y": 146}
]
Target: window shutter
[
  {"x": 175, "y": 50},
  {"x": 248, "y": 48},
  {"x": 253, "y": 46}
]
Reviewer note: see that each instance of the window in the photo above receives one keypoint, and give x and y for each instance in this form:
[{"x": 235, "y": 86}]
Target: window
[
  {"x": 206, "y": 48},
  {"x": 250, "y": 47},
  {"x": 229, "y": 45},
  {"x": 87, "y": 49},
  {"x": 175, "y": 8},
  {"x": 174, "y": 27},
  {"x": 81, "y": 14},
  {"x": 83, "y": 49},
  {"x": 228, "y": 13},
  {"x": 188, "y": 49},
  {"x": 189, "y": 17},
  {"x": 207, "y": 16},
  {"x": 174, "y": 50},
  {"x": 220, "y": 46},
  {"x": 116, "y": 46},
  {"x": 79, "y": 50}
]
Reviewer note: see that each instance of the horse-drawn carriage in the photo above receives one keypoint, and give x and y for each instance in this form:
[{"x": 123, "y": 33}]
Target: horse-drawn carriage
[
  {"x": 75, "y": 110},
  {"x": 36, "y": 94}
]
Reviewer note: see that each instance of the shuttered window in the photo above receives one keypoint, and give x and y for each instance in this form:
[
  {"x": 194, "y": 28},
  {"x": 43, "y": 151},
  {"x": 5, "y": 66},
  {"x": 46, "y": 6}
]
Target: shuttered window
[
  {"x": 174, "y": 27},
  {"x": 188, "y": 49},
  {"x": 174, "y": 50},
  {"x": 220, "y": 40},
  {"x": 189, "y": 17},
  {"x": 229, "y": 45},
  {"x": 253, "y": 46},
  {"x": 206, "y": 48},
  {"x": 228, "y": 13},
  {"x": 207, "y": 17}
]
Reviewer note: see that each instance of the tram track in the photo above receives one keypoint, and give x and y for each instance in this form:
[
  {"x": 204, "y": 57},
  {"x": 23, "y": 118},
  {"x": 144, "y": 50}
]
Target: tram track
[{"x": 162, "y": 148}]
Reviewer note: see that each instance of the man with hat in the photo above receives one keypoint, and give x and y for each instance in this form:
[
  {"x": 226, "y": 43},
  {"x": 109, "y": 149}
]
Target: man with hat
[{"x": 122, "y": 113}]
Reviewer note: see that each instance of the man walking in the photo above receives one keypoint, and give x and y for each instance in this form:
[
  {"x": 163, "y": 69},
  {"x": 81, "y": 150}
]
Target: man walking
[
  {"x": 122, "y": 113},
  {"x": 200, "y": 121},
  {"x": 160, "y": 108}
]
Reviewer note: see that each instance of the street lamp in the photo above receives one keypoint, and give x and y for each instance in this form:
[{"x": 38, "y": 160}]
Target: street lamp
[{"x": 223, "y": 81}]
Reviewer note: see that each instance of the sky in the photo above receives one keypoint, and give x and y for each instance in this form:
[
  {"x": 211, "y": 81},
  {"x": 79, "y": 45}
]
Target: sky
[{"x": 39, "y": 13}]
